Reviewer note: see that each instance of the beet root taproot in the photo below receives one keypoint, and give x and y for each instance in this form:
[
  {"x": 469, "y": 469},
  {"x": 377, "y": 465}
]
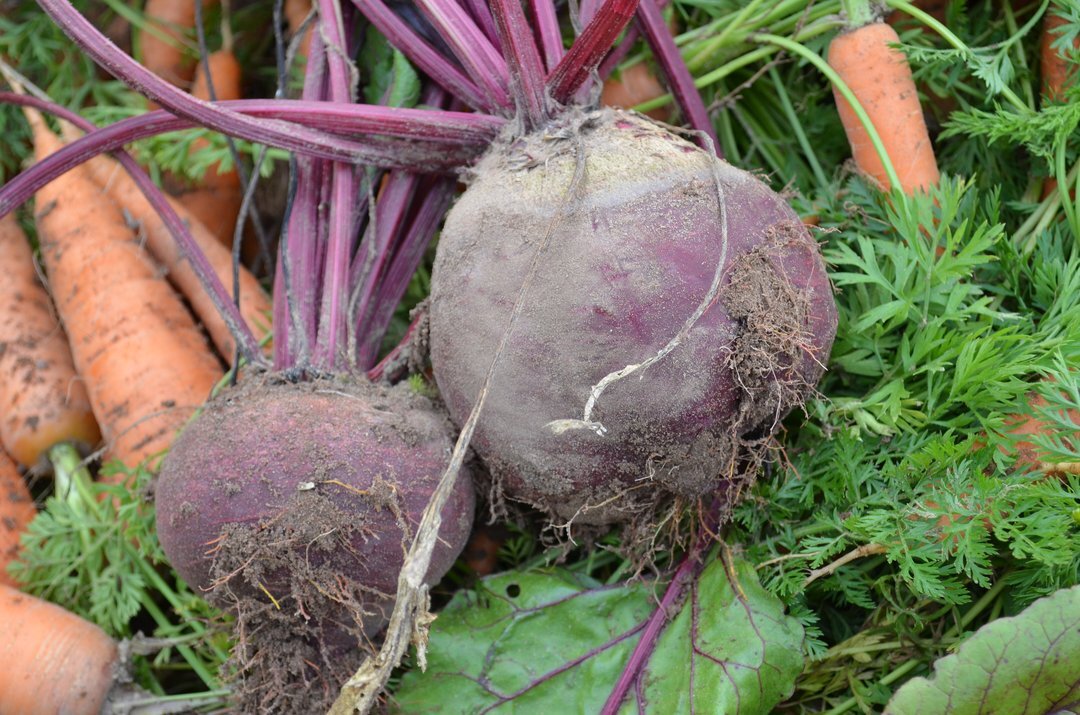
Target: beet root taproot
[
  {"x": 293, "y": 506},
  {"x": 634, "y": 243}
]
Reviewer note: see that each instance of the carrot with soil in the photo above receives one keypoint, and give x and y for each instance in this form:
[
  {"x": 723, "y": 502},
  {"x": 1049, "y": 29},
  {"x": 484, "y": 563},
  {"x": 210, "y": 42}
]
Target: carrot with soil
[
  {"x": 146, "y": 365},
  {"x": 43, "y": 402},
  {"x": 880, "y": 78},
  {"x": 255, "y": 306},
  {"x": 16, "y": 512},
  {"x": 52, "y": 661}
]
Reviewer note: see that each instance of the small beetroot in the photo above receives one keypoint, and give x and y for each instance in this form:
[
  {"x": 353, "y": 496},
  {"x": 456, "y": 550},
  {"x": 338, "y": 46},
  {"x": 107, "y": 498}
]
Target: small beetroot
[{"x": 293, "y": 504}]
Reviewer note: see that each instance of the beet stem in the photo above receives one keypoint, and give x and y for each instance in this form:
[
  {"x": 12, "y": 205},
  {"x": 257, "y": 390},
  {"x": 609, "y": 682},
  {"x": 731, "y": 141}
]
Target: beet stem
[
  {"x": 477, "y": 55},
  {"x": 306, "y": 227},
  {"x": 526, "y": 67},
  {"x": 406, "y": 259},
  {"x": 399, "y": 153},
  {"x": 239, "y": 328},
  {"x": 331, "y": 345},
  {"x": 481, "y": 15},
  {"x": 395, "y": 197},
  {"x": 548, "y": 33},
  {"x": 429, "y": 60},
  {"x": 288, "y": 323},
  {"x": 587, "y": 11},
  {"x": 382, "y": 238},
  {"x": 374, "y": 255},
  {"x": 393, "y": 362},
  {"x": 273, "y": 132},
  {"x": 687, "y": 571},
  {"x": 589, "y": 49},
  {"x": 303, "y": 243},
  {"x": 678, "y": 75},
  {"x": 617, "y": 55}
]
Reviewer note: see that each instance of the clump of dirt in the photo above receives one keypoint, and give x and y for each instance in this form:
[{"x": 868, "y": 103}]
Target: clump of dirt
[
  {"x": 772, "y": 358},
  {"x": 774, "y": 339},
  {"x": 302, "y": 625}
]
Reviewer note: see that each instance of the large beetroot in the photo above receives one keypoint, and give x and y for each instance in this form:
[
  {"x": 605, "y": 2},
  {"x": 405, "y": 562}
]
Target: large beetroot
[{"x": 635, "y": 245}]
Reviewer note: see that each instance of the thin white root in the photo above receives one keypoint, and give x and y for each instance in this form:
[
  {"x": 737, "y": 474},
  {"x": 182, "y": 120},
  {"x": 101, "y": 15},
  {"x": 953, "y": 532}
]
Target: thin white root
[{"x": 586, "y": 422}]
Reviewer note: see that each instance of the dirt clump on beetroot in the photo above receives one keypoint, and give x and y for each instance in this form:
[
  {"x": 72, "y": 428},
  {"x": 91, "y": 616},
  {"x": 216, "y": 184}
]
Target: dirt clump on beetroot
[
  {"x": 292, "y": 506},
  {"x": 639, "y": 222}
]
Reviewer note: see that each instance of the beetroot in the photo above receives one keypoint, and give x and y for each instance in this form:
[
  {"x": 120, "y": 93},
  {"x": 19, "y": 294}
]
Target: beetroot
[
  {"x": 631, "y": 258},
  {"x": 294, "y": 504}
]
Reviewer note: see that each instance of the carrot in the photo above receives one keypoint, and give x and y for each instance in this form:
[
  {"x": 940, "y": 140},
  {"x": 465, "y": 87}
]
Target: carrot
[
  {"x": 1058, "y": 73},
  {"x": 42, "y": 401},
  {"x": 16, "y": 512},
  {"x": 146, "y": 365},
  {"x": 255, "y": 304},
  {"x": 51, "y": 661},
  {"x": 481, "y": 553},
  {"x": 216, "y": 199},
  {"x": 1028, "y": 453},
  {"x": 634, "y": 85},
  {"x": 880, "y": 78},
  {"x": 296, "y": 11},
  {"x": 168, "y": 60}
]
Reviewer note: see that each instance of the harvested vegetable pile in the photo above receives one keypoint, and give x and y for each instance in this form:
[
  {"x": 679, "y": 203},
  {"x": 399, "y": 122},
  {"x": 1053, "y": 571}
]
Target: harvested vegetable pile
[{"x": 463, "y": 356}]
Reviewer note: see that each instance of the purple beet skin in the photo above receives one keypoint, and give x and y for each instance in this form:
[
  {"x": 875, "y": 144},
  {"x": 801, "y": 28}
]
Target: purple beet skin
[
  {"x": 278, "y": 485},
  {"x": 632, "y": 254}
]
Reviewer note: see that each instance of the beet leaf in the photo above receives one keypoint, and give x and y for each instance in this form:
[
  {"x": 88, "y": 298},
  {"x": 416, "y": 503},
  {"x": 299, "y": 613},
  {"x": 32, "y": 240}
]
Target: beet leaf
[
  {"x": 1026, "y": 664},
  {"x": 557, "y": 642}
]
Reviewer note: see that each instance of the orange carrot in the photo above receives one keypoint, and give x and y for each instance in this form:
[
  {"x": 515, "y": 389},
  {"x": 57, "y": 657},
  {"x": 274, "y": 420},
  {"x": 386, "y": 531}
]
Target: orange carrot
[
  {"x": 482, "y": 552},
  {"x": 1058, "y": 74},
  {"x": 296, "y": 11},
  {"x": 255, "y": 305},
  {"x": 146, "y": 365},
  {"x": 52, "y": 661},
  {"x": 880, "y": 78},
  {"x": 16, "y": 512},
  {"x": 1028, "y": 453},
  {"x": 216, "y": 199},
  {"x": 634, "y": 85},
  {"x": 168, "y": 60},
  {"x": 42, "y": 401}
]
